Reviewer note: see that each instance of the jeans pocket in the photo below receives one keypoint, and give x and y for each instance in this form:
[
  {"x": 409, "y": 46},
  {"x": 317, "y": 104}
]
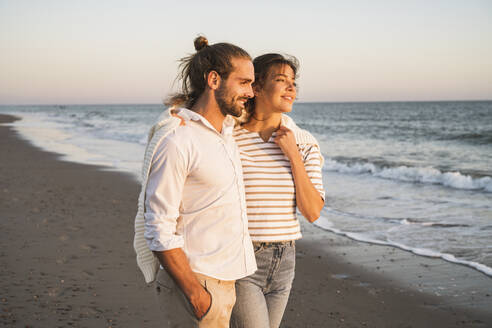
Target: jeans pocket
[
  {"x": 212, "y": 303},
  {"x": 209, "y": 307}
]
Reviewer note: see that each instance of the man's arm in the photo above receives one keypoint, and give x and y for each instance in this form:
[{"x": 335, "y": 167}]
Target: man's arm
[
  {"x": 178, "y": 267},
  {"x": 163, "y": 198}
]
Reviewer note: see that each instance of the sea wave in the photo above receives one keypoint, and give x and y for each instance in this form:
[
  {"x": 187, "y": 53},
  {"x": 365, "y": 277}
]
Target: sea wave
[
  {"x": 402, "y": 221},
  {"x": 427, "y": 175},
  {"x": 482, "y": 138},
  {"x": 325, "y": 224},
  {"x": 409, "y": 221}
]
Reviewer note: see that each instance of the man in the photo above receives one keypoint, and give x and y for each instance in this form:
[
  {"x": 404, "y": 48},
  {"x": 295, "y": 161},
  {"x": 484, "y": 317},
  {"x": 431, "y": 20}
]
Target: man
[{"x": 193, "y": 197}]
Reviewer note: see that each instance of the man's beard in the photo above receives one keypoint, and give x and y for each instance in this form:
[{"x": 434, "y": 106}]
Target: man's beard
[{"x": 227, "y": 105}]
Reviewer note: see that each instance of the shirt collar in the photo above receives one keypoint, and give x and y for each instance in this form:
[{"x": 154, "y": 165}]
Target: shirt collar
[
  {"x": 187, "y": 115},
  {"x": 288, "y": 122},
  {"x": 228, "y": 125}
]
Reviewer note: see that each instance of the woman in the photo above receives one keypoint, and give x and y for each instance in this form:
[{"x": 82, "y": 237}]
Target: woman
[{"x": 282, "y": 171}]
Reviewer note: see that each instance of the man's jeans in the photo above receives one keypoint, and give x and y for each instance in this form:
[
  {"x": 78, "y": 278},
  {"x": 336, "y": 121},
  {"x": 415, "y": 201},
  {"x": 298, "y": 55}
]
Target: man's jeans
[
  {"x": 262, "y": 297},
  {"x": 177, "y": 310}
]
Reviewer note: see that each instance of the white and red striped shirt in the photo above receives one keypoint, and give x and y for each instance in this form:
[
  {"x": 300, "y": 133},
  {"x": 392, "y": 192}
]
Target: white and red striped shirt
[{"x": 269, "y": 185}]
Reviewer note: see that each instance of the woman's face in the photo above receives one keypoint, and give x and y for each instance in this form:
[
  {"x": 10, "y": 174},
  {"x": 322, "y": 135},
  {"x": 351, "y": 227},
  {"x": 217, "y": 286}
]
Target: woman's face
[{"x": 278, "y": 92}]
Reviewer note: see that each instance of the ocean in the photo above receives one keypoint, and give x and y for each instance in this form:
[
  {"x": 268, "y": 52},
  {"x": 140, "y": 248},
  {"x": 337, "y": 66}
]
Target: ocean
[{"x": 413, "y": 175}]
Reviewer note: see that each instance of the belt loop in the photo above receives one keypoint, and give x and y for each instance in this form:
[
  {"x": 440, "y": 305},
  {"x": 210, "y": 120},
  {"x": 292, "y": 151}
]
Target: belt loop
[{"x": 274, "y": 243}]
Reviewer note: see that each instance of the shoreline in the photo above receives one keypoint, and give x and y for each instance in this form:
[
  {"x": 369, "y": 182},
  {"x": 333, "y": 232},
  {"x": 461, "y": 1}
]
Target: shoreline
[
  {"x": 450, "y": 258},
  {"x": 67, "y": 258}
]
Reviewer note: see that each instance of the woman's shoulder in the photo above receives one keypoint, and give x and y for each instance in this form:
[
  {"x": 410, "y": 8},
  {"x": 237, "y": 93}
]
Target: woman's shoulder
[
  {"x": 239, "y": 130},
  {"x": 302, "y": 136}
]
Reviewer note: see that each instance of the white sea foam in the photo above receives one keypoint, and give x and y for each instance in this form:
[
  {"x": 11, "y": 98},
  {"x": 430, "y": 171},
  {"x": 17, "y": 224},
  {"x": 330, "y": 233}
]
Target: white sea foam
[
  {"x": 143, "y": 140},
  {"x": 413, "y": 174},
  {"x": 77, "y": 146},
  {"x": 325, "y": 224}
]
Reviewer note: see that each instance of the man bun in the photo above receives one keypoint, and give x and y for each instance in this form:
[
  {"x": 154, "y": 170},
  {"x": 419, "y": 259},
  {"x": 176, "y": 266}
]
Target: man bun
[
  {"x": 195, "y": 67},
  {"x": 200, "y": 43}
]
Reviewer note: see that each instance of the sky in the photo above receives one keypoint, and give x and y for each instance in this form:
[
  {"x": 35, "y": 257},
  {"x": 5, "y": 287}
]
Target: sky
[{"x": 125, "y": 51}]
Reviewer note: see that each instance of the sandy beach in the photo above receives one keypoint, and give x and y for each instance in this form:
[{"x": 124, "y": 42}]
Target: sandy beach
[{"x": 67, "y": 260}]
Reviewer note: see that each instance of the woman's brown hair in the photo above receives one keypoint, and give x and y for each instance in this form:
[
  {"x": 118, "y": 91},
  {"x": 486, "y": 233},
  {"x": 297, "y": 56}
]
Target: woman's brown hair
[{"x": 263, "y": 64}]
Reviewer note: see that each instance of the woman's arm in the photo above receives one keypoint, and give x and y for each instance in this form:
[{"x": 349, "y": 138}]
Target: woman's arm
[{"x": 308, "y": 198}]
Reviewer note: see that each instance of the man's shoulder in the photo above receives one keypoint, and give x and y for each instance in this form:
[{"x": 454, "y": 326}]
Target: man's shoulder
[
  {"x": 176, "y": 136},
  {"x": 182, "y": 137}
]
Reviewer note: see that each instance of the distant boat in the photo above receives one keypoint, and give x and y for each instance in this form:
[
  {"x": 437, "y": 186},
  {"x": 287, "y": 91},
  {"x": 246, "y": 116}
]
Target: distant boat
[{"x": 61, "y": 106}]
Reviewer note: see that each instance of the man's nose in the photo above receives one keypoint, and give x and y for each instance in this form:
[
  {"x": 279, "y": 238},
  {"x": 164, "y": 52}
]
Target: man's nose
[{"x": 249, "y": 92}]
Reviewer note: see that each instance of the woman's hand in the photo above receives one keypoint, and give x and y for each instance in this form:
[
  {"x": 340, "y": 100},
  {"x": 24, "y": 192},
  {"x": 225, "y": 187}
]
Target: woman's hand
[{"x": 287, "y": 142}]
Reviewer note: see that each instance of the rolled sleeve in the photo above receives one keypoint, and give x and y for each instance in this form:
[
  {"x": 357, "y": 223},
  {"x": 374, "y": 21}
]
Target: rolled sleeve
[
  {"x": 312, "y": 162},
  {"x": 160, "y": 233},
  {"x": 163, "y": 197}
]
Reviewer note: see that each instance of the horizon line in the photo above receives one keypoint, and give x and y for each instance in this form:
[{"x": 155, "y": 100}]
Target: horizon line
[{"x": 299, "y": 102}]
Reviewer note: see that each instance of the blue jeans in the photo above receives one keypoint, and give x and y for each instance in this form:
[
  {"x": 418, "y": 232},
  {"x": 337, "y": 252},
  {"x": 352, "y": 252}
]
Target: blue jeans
[{"x": 261, "y": 298}]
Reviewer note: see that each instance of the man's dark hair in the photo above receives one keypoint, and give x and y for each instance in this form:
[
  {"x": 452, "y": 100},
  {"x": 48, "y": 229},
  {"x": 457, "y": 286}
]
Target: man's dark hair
[
  {"x": 195, "y": 68},
  {"x": 262, "y": 65}
]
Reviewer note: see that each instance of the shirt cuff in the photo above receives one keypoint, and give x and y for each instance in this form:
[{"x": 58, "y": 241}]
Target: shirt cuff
[
  {"x": 160, "y": 233},
  {"x": 164, "y": 244}
]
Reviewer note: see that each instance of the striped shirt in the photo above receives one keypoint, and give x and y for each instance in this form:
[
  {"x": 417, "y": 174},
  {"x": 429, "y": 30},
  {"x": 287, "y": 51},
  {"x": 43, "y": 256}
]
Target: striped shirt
[{"x": 269, "y": 185}]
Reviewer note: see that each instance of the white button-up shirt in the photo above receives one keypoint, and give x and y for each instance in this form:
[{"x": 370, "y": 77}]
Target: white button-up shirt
[{"x": 195, "y": 199}]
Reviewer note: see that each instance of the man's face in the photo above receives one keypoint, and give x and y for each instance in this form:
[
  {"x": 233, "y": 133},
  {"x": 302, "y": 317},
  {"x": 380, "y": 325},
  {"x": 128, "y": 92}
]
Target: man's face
[{"x": 233, "y": 92}]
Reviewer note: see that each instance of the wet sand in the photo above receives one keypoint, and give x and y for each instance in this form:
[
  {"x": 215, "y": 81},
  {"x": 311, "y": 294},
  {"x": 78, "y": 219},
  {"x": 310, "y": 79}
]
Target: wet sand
[{"x": 67, "y": 260}]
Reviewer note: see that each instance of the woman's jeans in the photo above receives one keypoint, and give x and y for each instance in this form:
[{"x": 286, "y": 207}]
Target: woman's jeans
[{"x": 261, "y": 298}]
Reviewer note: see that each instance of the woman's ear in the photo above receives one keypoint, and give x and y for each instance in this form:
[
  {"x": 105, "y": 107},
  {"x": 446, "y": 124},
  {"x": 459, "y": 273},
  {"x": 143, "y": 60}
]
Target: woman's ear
[
  {"x": 213, "y": 80},
  {"x": 256, "y": 90}
]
